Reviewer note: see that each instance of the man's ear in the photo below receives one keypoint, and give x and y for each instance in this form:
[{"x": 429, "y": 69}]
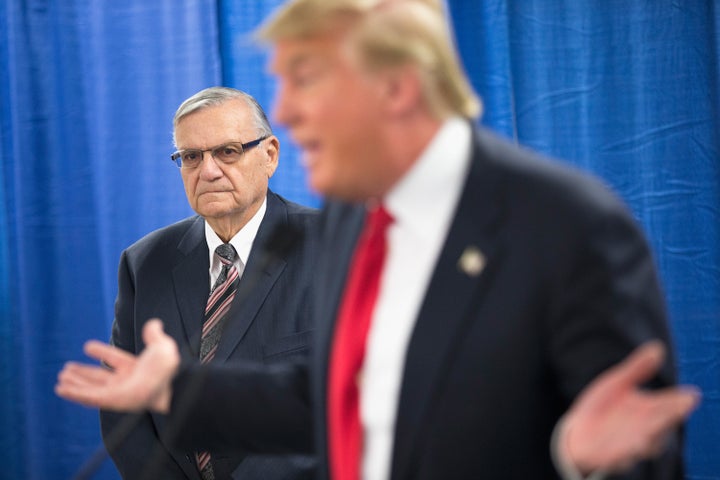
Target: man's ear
[
  {"x": 402, "y": 90},
  {"x": 271, "y": 148}
]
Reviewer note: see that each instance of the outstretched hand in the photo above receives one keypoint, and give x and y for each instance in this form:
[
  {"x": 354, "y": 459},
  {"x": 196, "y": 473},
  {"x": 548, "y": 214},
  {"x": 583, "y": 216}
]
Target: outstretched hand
[
  {"x": 614, "y": 423},
  {"x": 126, "y": 382}
]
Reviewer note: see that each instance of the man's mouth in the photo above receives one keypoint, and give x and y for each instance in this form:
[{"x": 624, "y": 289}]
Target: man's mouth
[{"x": 310, "y": 151}]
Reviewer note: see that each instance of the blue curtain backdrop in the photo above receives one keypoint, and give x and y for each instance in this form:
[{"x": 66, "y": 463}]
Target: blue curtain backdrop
[{"x": 625, "y": 89}]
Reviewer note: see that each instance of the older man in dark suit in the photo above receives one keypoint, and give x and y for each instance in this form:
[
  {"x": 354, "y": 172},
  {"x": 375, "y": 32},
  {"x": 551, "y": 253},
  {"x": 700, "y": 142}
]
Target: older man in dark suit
[{"x": 226, "y": 154}]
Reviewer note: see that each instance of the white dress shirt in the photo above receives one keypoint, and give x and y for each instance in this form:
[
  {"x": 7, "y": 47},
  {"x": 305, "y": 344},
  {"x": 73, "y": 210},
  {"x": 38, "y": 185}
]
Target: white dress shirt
[
  {"x": 423, "y": 204},
  {"x": 242, "y": 242}
]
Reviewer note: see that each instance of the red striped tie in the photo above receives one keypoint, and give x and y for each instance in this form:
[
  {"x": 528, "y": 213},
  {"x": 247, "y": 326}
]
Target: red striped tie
[
  {"x": 218, "y": 305},
  {"x": 348, "y": 349}
]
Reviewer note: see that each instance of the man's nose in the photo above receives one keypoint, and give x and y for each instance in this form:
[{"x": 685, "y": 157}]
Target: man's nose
[
  {"x": 209, "y": 167},
  {"x": 282, "y": 112}
]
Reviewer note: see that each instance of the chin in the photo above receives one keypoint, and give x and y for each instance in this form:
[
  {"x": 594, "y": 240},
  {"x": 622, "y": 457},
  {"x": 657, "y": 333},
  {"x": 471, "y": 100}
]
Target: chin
[
  {"x": 336, "y": 187},
  {"x": 345, "y": 193},
  {"x": 318, "y": 185},
  {"x": 210, "y": 212}
]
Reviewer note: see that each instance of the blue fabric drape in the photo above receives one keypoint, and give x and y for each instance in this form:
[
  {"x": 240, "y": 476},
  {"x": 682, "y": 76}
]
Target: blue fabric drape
[
  {"x": 88, "y": 92},
  {"x": 625, "y": 89}
]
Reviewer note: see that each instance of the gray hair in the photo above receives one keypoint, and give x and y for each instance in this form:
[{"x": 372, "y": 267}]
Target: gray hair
[{"x": 213, "y": 96}]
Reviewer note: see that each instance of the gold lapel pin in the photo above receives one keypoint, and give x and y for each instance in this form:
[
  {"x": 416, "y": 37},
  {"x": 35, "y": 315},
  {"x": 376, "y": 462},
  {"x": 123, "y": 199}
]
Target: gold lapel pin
[{"x": 472, "y": 261}]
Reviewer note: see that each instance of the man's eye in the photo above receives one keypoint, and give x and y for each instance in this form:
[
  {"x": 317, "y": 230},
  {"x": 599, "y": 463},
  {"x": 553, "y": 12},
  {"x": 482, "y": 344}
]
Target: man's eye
[
  {"x": 306, "y": 76},
  {"x": 304, "y": 79},
  {"x": 191, "y": 156},
  {"x": 228, "y": 153},
  {"x": 230, "y": 150}
]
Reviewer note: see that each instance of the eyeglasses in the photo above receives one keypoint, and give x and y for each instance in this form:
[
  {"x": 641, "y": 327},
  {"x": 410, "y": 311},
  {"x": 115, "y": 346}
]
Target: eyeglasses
[{"x": 227, "y": 153}]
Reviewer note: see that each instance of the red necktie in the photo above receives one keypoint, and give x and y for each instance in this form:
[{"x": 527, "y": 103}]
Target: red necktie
[{"x": 348, "y": 348}]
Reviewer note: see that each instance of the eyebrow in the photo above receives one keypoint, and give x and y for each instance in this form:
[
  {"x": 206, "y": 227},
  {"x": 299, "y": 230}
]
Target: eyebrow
[
  {"x": 300, "y": 60},
  {"x": 296, "y": 62},
  {"x": 225, "y": 142}
]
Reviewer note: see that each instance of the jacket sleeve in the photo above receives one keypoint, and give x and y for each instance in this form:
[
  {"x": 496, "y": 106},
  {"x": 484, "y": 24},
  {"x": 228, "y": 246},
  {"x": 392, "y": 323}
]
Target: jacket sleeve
[{"x": 261, "y": 408}]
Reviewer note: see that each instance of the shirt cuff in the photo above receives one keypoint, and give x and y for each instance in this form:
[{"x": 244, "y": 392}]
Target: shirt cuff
[{"x": 558, "y": 452}]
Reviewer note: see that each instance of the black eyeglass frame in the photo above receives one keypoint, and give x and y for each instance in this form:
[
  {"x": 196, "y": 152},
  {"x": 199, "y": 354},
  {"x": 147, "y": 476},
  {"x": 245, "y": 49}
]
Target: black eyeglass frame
[{"x": 176, "y": 157}]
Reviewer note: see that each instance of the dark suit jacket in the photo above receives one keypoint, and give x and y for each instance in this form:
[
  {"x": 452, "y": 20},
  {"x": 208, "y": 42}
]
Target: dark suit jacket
[
  {"x": 568, "y": 289},
  {"x": 165, "y": 275}
]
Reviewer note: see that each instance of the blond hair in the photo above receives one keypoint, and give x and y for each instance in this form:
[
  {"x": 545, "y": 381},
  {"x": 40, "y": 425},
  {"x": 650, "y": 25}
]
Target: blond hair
[{"x": 388, "y": 33}]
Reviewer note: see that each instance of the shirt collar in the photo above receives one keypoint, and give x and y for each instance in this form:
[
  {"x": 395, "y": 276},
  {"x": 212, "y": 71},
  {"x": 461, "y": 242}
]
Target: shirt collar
[
  {"x": 242, "y": 241},
  {"x": 430, "y": 190}
]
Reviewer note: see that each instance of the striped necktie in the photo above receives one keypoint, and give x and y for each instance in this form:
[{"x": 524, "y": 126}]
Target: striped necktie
[{"x": 218, "y": 305}]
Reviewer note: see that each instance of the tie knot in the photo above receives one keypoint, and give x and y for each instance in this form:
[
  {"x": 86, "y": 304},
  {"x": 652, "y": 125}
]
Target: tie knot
[
  {"x": 226, "y": 252},
  {"x": 378, "y": 219}
]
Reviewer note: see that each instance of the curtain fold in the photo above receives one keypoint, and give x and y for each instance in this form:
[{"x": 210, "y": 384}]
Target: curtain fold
[
  {"x": 88, "y": 94},
  {"x": 624, "y": 89}
]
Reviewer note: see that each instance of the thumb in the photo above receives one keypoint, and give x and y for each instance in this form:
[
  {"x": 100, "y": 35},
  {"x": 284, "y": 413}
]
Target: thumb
[
  {"x": 153, "y": 331},
  {"x": 641, "y": 365}
]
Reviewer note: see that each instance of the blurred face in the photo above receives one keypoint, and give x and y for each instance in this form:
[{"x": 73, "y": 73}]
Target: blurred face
[
  {"x": 226, "y": 193},
  {"x": 334, "y": 112}
]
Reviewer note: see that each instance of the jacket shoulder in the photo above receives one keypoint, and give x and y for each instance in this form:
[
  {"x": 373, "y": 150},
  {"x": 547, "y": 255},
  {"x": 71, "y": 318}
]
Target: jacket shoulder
[
  {"x": 535, "y": 179},
  {"x": 165, "y": 237},
  {"x": 300, "y": 216}
]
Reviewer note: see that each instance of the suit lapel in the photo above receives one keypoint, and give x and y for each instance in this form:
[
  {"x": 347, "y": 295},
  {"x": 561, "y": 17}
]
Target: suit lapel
[
  {"x": 341, "y": 228},
  {"x": 338, "y": 251},
  {"x": 340, "y": 237},
  {"x": 257, "y": 281},
  {"x": 191, "y": 282},
  {"x": 459, "y": 281}
]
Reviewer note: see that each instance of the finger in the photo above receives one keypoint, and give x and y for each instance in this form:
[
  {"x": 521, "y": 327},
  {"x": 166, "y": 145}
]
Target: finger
[
  {"x": 682, "y": 400},
  {"x": 640, "y": 365},
  {"x": 117, "y": 399},
  {"x": 671, "y": 406},
  {"x": 87, "y": 374},
  {"x": 74, "y": 381},
  {"x": 648, "y": 444},
  {"x": 153, "y": 331},
  {"x": 108, "y": 354},
  {"x": 75, "y": 393},
  {"x": 88, "y": 398}
]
